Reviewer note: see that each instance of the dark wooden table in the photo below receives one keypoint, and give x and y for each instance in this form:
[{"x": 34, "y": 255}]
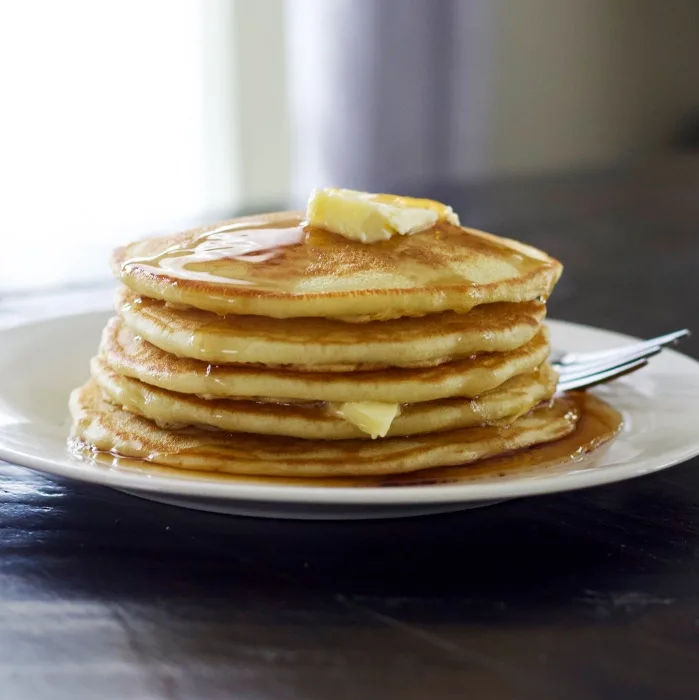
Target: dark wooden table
[{"x": 584, "y": 595}]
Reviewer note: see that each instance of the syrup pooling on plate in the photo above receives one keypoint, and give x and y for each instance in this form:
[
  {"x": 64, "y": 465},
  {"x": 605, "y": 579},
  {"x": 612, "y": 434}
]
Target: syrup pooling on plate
[{"x": 597, "y": 423}]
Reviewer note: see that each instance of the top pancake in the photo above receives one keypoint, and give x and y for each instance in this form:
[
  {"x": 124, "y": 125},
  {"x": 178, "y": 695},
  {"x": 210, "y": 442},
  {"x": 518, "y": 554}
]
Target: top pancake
[{"x": 272, "y": 265}]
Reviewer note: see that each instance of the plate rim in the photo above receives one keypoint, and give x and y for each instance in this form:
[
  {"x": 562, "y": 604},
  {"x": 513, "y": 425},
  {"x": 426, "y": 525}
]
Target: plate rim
[{"x": 192, "y": 487}]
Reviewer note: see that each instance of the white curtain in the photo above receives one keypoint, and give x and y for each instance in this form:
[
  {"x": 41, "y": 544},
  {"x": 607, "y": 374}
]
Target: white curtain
[{"x": 378, "y": 91}]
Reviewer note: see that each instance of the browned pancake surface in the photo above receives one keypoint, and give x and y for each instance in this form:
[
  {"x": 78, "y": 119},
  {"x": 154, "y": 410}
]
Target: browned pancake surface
[{"x": 272, "y": 265}]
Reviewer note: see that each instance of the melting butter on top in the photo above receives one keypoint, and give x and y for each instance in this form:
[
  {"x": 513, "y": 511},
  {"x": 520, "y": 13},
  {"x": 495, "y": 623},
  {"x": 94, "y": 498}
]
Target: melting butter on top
[{"x": 369, "y": 218}]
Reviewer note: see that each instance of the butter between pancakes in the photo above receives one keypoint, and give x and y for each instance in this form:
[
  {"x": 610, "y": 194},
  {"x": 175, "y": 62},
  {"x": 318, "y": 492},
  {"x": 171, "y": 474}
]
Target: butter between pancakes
[{"x": 375, "y": 335}]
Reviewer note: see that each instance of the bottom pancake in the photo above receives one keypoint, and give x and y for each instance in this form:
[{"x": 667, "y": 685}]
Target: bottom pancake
[{"x": 101, "y": 425}]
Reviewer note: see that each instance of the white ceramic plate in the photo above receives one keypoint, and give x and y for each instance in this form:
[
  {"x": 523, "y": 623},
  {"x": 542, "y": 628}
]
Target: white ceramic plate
[{"x": 41, "y": 362}]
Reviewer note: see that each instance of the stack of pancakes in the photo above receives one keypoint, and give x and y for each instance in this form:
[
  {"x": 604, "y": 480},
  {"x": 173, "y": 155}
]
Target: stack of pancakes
[{"x": 265, "y": 346}]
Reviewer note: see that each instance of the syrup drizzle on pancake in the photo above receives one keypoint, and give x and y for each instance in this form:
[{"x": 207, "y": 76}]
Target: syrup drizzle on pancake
[{"x": 205, "y": 257}]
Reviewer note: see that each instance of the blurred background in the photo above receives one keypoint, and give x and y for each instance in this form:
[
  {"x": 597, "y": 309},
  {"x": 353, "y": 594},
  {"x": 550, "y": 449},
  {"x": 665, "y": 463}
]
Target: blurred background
[{"x": 123, "y": 119}]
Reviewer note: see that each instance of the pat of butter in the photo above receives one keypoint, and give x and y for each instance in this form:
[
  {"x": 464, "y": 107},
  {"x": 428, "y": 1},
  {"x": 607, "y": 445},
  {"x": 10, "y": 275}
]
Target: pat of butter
[
  {"x": 369, "y": 218},
  {"x": 372, "y": 417}
]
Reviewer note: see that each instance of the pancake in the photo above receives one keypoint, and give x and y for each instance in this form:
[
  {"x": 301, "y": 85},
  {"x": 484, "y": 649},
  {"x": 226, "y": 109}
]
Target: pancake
[
  {"x": 271, "y": 265},
  {"x": 132, "y": 356},
  {"x": 101, "y": 425},
  {"x": 316, "y": 420},
  {"x": 326, "y": 344}
]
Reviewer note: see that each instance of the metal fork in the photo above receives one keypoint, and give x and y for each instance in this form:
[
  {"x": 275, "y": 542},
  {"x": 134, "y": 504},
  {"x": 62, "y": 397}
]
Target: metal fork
[{"x": 579, "y": 370}]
